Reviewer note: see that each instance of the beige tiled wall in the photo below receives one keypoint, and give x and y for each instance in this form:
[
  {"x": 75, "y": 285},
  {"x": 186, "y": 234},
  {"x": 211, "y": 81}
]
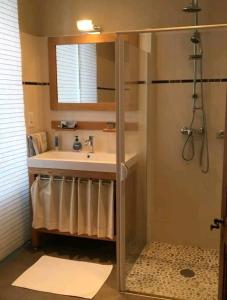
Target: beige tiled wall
[
  {"x": 185, "y": 201},
  {"x": 34, "y": 69},
  {"x": 37, "y": 100},
  {"x": 54, "y": 17}
]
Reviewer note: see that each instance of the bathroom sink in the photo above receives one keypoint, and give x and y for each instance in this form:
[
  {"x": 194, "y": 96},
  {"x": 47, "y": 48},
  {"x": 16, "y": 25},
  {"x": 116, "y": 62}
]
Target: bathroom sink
[{"x": 68, "y": 160}]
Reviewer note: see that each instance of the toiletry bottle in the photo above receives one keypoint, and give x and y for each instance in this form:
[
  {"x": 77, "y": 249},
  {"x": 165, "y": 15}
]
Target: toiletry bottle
[
  {"x": 56, "y": 142},
  {"x": 77, "y": 146}
]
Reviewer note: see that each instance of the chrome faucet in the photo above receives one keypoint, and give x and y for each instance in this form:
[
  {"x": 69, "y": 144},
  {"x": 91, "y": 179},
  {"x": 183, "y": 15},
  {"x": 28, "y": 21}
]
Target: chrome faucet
[{"x": 90, "y": 142}]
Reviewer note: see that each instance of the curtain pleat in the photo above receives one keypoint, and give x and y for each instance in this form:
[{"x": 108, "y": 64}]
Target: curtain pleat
[
  {"x": 38, "y": 202},
  {"x": 105, "y": 210},
  {"x": 94, "y": 208},
  {"x": 64, "y": 205},
  {"x": 53, "y": 220},
  {"x": 82, "y": 207},
  {"x": 73, "y": 218},
  {"x": 89, "y": 208},
  {"x": 83, "y": 195}
]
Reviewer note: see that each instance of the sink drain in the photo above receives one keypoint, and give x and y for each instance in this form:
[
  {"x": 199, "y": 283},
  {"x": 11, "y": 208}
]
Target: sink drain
[{"x": 187, "y": 273}]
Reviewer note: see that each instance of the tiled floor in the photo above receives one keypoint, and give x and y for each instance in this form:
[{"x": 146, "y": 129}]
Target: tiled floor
[
  {"x": 71, "y": 248},
  {"x": 158, "y": 271}
]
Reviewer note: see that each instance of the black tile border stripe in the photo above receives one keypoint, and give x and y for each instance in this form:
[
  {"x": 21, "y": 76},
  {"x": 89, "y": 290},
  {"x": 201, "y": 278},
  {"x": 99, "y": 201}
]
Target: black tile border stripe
[
  {"x": 178, "y": 81},
  {"x": 35, "y": 83},
  {"x": 105, "y": 88},
  {"x": 188, "y": 80},
  {"x": 136, "y": 82},
  {"x": 142, "y": 82}
]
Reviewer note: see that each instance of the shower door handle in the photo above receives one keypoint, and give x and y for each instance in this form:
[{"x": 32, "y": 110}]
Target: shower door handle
[
  {"x": 124, "y": 171},
  {"x": 216, "y": 224}
]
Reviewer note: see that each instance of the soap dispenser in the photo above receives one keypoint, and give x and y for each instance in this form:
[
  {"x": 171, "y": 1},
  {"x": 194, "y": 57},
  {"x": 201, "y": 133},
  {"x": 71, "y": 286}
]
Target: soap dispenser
[
  {"x": 56, "y": 142},
  {"x": 77, "y": 146}
]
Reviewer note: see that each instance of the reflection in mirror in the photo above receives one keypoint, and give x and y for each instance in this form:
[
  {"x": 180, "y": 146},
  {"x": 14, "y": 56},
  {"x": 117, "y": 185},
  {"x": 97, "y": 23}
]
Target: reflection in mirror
[{"x": 86, "y": 73}]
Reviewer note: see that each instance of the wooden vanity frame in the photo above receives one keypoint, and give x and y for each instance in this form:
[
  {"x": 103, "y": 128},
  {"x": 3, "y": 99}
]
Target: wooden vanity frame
[
  {"x": 69, "y": 40},
  {"x": 33, "y": 172}
]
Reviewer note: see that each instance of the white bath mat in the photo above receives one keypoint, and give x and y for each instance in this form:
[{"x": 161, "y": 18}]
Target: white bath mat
[{"x": 64, "y": 277}]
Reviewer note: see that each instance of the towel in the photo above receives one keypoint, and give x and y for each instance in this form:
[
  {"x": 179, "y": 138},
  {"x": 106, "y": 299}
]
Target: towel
[{"x": 38, "y": 141}]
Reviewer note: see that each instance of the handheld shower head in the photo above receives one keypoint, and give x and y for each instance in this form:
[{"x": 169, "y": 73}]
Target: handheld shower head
[{"x": 192, "y": 7}]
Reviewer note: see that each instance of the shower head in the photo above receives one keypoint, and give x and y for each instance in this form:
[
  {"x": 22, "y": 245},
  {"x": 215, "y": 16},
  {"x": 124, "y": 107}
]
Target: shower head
[
  {"x": 195, "y": 38},
  {"x": 192, "y": 7}
]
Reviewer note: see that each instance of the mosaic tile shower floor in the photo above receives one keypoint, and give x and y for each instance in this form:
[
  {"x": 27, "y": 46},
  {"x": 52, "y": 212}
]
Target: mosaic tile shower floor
[{"x": 158, "y": 270}]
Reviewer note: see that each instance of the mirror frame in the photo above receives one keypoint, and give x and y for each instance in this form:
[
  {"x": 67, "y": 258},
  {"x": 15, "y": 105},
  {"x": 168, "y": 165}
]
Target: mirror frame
[{"x": 68, "y": 40}]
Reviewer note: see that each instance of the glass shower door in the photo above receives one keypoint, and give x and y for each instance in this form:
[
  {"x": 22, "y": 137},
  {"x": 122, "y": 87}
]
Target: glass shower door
[
  {"x": 132, "y": 73},
  {"x": 166, "y": 248}
]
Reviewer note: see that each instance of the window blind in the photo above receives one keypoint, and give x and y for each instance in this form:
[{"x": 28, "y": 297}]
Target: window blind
[
  {"x": 68, "y": 73},
  {"x": 77, "y": 73},
  {"x": 88, "y": 73},
  {"x": 14, "y": 187}
]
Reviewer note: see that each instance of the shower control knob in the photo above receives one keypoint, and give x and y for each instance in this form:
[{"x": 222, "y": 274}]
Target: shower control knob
[
  {"x": 186, "y": 131},
  {"x": 216, "y": 224},
  {"x": 220, "y": 134}
]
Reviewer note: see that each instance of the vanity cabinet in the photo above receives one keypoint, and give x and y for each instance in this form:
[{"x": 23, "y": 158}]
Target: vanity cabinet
[
  {"x": 79, "y": 183},
  {"x": 92, "y": 176}
]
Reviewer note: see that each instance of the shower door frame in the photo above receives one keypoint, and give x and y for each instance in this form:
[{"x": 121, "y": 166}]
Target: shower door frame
[
  {"x": 120, "y": 187},
  {"x": 223, "y": 246},
  {"x": 120, "y": 178},
  {"x": 120, "y": 194}
]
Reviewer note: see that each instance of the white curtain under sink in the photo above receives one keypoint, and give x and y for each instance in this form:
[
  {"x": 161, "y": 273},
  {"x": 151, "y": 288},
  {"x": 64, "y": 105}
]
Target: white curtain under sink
[{"x": 77, "y": 206}]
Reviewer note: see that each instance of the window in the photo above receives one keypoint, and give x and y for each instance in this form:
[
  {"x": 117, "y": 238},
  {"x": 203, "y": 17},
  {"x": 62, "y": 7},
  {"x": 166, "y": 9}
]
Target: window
[
  {"x": 14, "y": 187},
  {"x": 77, "y": 73}
]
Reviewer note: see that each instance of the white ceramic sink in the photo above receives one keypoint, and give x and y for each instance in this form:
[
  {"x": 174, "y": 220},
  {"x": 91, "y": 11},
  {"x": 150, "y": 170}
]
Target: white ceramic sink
[{"x": 68, "y": 160}]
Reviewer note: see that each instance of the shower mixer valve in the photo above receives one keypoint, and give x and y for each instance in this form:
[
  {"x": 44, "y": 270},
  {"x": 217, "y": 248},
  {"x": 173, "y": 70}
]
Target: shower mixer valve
[
  {"x": 191, "y": 131},
  {"x": 186, "y": 131}
]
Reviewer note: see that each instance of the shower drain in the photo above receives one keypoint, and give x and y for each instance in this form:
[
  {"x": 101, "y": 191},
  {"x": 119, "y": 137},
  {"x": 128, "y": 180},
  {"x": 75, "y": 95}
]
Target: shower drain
[{"x": 187, "y": 273}]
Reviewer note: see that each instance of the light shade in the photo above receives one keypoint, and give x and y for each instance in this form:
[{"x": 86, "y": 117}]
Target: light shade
[
  {"x": 85, "y": 25},
  {"x": 88, "y": 26}
]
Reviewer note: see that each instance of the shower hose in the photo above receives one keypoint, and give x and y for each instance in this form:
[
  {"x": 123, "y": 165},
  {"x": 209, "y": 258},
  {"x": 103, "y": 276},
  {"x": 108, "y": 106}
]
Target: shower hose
[{"x": 189, "y": 143}]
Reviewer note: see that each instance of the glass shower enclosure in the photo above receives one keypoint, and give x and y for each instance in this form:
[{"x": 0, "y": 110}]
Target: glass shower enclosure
[
  {"x": 166, "y": 204},
  {"x": 132, "y": 147}
]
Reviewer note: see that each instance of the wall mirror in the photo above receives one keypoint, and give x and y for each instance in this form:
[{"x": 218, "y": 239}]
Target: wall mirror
[{"x": 82, "y": 72}]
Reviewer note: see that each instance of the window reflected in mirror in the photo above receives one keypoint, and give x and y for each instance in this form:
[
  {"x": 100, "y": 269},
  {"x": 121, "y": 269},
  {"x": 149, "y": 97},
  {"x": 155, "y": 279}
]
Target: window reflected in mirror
[{"x": 86, "y": 73}]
